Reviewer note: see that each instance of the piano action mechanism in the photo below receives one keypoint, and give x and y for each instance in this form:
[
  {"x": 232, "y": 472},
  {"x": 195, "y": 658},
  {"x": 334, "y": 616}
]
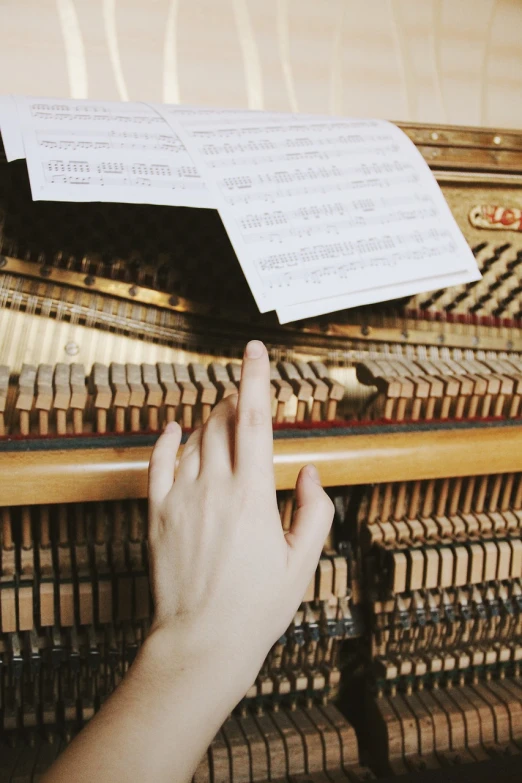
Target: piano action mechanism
[{"x": 405, "y": 653}]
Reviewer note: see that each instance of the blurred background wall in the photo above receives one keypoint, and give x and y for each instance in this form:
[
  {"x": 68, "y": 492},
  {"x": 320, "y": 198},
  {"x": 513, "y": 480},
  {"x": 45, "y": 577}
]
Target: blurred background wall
[{"x": 430, "y": 61}]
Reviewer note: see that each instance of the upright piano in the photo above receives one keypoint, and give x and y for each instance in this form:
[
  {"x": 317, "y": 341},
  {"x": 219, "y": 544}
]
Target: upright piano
[{"x": 403, "y": 660}]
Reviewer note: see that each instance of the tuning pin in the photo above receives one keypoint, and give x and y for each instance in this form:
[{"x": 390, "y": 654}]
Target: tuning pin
[
  {"x": 347, "y": 623},
  {"x": 296, "y": 631},
  {"x": 479, "y": 604},
  {"x": 402, "y": 613},
  {"x": 17, "y": 663},
  {"x": 464, "y": 607},
  {"x": 74, "y": 651},
  {"x": 57, "y": 651},
  {"x": 329, "y": 622},
  {"x": 449, "y": 611},
  {"x": 418, "y": 605},
  {"x": 114, "y": 656},
  {"x": 311, "y": 625},
  {"x": 516, "y": 594},
  {"x": 35, "y": 657},
  {"x": 505, "y": 600},
  {"x": 492, "y": 602},
  {"x": 433, "y": 608},
  {"x": 93, "y": 656}
]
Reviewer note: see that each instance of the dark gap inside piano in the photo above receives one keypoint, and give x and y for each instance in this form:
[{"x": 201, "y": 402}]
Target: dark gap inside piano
[{"x": 184, "y": 252}]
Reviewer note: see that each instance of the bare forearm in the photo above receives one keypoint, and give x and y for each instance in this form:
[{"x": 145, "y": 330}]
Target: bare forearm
[
  {"x": 158, "y": 723},
  {"x": 226, "y": 580}
]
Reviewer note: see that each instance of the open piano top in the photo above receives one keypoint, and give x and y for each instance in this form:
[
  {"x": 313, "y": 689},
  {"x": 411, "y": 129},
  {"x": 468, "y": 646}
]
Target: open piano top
[{"x": 404, "y": 657}]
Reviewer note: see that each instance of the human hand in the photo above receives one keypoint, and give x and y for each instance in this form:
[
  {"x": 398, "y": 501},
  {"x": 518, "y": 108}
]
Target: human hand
[{"x": 226, "y": 579}]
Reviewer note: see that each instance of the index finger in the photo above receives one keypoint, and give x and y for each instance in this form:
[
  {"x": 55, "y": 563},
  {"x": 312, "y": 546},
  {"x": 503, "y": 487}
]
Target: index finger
[{"x": 254, "y": 438}]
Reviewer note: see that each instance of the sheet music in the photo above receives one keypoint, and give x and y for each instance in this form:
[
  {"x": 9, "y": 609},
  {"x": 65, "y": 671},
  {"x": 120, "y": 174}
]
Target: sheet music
[
  {"x": 10, "y": 128},
  {"x": 324, "y": 213},
  {"x": 377, "y": 293},
  {"x": 321, "y": 208},
  {"x": 79, "y": 150}
]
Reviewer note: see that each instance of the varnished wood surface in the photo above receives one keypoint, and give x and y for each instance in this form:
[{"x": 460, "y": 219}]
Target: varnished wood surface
[{"x": 112, "y": 473}]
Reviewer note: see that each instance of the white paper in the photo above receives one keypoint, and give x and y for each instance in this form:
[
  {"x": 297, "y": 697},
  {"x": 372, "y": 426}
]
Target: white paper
[
  {"x": 320, "y": 208},
  {"x": 10, "y": 128},
  {"x": 101, "y": 151},
  {"x": 378, "y": 294},
  {"x": 323, "y": 213}
]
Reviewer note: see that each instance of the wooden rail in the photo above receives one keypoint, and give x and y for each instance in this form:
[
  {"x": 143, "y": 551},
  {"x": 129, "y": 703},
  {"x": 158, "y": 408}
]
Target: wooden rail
[{"x": 113, "y": 473}]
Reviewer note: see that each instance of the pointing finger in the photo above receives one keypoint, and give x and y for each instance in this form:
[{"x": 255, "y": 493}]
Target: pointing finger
[{"x": 254, "y": 438}]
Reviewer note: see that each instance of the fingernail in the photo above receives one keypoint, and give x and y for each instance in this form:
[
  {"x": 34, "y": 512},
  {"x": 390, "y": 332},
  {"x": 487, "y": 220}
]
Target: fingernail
[
  {"x": 312, "y": 473},
  {"x": 171, "y": 427},
  {"x": 254, "y": 349}
]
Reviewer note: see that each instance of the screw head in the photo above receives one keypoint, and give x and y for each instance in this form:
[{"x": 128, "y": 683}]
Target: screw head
[
  {"x": 133, "y": 291},
  {"x": 3, "y": 262},
  {"x": 434, "y": 136},
  {"x": 45, "y": 271},
  {"x": 174, "y": 300},
  {"x": 72, "y": 349},
  {"x": 497, "y": 139},
  {"x": 365, "y": 330},
  {"x": 89, "y": 280}
]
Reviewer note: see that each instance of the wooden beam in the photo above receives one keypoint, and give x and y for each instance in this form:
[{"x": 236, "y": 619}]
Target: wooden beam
[{"x": 81, "y": 475}]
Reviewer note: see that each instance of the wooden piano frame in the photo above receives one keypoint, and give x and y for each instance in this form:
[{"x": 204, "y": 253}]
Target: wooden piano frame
[{"x": 115, "y": 467}]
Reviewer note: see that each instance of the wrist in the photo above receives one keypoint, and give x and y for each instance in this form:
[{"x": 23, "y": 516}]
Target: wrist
[{"x": 181, "y": 652}]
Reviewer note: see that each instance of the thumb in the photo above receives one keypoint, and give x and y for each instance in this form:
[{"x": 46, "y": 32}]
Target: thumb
[{"x": 311, "y": 524}]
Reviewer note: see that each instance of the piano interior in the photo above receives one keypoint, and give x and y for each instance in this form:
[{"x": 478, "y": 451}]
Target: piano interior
[{"x": 404, "y": 657}]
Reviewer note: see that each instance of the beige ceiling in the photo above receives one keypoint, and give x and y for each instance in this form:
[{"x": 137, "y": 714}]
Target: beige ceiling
[{"x": 444, "y": 61}]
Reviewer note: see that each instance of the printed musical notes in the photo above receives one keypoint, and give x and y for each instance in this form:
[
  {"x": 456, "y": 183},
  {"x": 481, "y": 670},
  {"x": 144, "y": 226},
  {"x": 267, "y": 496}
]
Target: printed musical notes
[
  {"x": 102, "y": 151},
  {"x": 324, "y": 212}
]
